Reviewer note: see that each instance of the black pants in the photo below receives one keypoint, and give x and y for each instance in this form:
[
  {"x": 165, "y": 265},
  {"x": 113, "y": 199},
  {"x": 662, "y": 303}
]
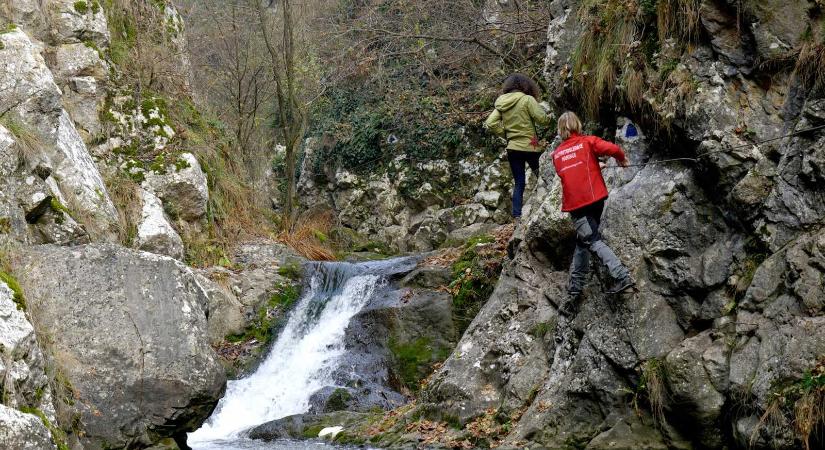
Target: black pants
[{"x": 518, "y": 160}]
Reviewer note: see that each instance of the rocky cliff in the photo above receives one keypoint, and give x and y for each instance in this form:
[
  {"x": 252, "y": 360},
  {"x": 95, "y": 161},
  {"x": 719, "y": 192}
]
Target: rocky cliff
[
  {"x": 719, "y": 106},
  {"x": 104, "y": 332}
]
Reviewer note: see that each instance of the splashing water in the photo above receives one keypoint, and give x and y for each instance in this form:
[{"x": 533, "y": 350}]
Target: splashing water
[{"x": 305, "y": 355}]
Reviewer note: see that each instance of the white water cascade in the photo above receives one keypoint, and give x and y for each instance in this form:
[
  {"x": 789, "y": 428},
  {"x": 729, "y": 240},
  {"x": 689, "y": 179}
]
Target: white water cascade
[{"x": 304, "y": 356}]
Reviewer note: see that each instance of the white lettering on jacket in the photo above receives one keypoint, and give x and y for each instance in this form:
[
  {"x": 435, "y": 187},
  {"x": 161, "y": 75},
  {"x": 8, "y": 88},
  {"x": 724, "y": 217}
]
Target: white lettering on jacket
[{"x": 567, "y": 151}]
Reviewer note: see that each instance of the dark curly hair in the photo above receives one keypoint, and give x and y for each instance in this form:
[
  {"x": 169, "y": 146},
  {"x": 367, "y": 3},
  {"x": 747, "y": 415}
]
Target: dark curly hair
[{"x": 521, "y": 83}]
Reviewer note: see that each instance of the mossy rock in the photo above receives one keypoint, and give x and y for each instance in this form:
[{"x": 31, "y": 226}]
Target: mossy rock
[{"x": 12, "y": 283}]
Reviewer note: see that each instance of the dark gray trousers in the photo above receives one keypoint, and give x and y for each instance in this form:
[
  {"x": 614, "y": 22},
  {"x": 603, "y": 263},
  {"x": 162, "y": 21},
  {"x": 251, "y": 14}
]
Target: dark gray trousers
[{"x": 588, "y": 239}]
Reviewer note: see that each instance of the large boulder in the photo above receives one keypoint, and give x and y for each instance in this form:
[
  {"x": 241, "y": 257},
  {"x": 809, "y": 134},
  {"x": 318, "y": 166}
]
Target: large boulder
[{"x": 127, "y": 330}]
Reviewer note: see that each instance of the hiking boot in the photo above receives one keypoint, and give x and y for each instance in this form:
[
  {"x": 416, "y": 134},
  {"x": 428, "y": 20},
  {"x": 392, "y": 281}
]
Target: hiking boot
[{"x": 622, "y": 285}]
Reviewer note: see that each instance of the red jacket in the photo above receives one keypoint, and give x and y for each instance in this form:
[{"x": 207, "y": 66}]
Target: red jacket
[{"x": 578, "y": 167}]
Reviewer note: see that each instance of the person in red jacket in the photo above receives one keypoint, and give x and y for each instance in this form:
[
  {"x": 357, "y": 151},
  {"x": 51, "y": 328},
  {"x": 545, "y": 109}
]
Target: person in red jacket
[{"x": 583, "y": 195}]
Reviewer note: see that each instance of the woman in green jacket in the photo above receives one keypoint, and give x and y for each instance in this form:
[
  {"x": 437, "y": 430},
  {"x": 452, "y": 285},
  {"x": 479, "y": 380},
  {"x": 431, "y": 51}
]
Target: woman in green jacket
[{"x": 515, "y": 119}]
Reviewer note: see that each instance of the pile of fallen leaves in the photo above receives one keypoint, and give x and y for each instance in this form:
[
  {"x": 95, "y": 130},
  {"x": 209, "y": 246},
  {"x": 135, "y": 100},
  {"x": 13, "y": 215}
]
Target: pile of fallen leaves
[
  {"x": 498, "y": 248},
  {"x": 389, "y": 420},
  {"x": 234, "y": 351}
]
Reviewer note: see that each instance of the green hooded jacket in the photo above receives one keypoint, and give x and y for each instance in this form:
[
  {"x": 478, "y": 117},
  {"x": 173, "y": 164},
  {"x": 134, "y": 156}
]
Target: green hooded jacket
[{"x": 515, "y": 118}]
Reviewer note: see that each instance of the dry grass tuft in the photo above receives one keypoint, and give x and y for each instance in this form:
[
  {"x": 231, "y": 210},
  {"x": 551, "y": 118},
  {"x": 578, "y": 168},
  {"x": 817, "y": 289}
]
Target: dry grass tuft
[
  {"x": 654, "y": 375},
  {"x": 609, "y": 33},
  {"x": 309, "y": 236},
  {"x": 125, "y": 194},
  {"x": 801, "y": 404},
  {"x": 678, "y": 19},
  {"x": 810, "y": 66},
  {"x": 28, "y": 142}
]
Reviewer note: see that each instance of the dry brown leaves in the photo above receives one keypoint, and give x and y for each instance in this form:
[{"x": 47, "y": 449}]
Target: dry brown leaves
[
  {"x": 232, "y": 351},
  {"x": 389, "y": 420},
  {"x": 498, "y": 247},
  {"x": 444, "y": 259},
  {"x": 306, "y": 237}
]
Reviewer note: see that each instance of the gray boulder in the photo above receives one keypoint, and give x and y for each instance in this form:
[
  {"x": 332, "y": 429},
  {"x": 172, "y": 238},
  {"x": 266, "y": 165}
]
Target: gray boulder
[
  {"x": 183, "y": 189},
  {"x": 76, "y": 21},
  {"x": 23, "y": 380},
  {"x": 154, "y": 232},
  {"x": 128, "y": 331}
]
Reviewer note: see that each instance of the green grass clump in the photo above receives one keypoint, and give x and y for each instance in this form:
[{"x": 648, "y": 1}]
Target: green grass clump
[{"x": 12, "y": 283}]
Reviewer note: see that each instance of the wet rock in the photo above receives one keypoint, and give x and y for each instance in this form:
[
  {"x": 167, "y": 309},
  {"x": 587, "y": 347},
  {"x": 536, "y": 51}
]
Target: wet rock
[
  {"x": 19, "y": 430},
  {"x": 629, "y": 436},
  {"x": 128, "y": 332},
  {"x": 725, "y": 39},
  {"x": 154, "y": 233},
  {"x": 428, "y": 277},
  {"x": 304, "y": 425}
]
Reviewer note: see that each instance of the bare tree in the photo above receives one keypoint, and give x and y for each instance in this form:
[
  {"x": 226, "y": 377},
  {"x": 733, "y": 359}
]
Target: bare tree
[{"x": 291, "y": 112}]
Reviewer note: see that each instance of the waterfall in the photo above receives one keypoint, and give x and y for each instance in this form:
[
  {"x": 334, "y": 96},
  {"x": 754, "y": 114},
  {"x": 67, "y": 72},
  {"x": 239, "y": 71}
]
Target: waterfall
[{"x": 307, "y": 351}]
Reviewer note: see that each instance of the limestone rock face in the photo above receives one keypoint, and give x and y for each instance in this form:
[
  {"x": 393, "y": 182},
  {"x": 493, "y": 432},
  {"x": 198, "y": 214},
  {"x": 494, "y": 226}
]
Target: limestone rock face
[
  {"x": 78, "y": 21},
  {"x": 128, "y": 331},
  {"x": 22, "y": 366},
  {"x": 19, "y": 430},
  {"x": 409, "y": 209},
  {"x": 59, "y": 154},
  {"x": 155, "y": 234},
  {"x": 82, "y": 76}
]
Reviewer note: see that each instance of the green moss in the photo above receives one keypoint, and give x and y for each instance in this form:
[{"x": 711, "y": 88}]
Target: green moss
[
  {"x": 338, "y": 400},
  {"x": 312, "y": 431},
  {"x": 81, "y": 7},
  {"x": 270, "y": 316},
  {"x": 414, "y": 360},
  {"x": 58, "y": 435},
  {"x": 474, "y": 278},
  {"x": 60, "y": 209},
  {"x": 12, "y": 283},
  {"x": 181, "y": 164},
  {"x": 8, "y": 28},
  {"x": 291, "y": 270},
  {"x": 541, "y": 329},
  {"x": 5, "y": 225}
]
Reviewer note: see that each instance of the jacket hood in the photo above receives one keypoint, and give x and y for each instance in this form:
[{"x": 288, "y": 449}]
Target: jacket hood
[{"x": 509, "y": 100}]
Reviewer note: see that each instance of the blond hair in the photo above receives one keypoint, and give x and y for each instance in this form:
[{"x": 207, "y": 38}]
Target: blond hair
[{"x": 569, "y": 123}]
